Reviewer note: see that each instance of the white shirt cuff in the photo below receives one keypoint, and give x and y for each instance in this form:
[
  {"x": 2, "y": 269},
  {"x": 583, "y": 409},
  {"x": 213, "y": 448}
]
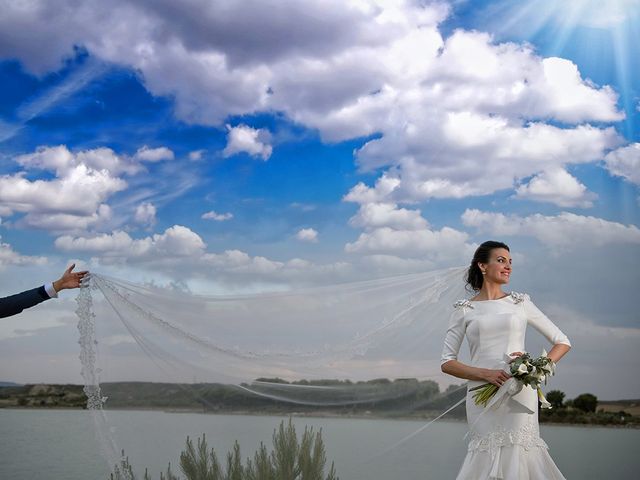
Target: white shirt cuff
[{"x": 50, "y": 290}]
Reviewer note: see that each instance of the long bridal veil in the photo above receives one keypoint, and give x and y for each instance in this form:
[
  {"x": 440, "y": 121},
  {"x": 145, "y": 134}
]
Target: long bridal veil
[{"x": 327, "y": 346}]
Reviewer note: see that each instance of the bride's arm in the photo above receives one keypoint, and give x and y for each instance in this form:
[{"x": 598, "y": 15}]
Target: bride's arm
[
  {"x": 539, "y": 321},
  {"x": 467, "y": 372},
  {"x": 558, "y": 351}
]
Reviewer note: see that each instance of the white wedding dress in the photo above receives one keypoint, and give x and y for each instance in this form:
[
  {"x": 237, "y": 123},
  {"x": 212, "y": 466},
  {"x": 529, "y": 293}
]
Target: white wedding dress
[{"x": 505, "y": 440}]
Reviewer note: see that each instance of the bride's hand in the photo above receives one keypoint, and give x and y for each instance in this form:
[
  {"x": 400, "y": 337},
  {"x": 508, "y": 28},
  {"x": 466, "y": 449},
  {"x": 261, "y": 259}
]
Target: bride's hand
[{"x": 496, "y": 377}]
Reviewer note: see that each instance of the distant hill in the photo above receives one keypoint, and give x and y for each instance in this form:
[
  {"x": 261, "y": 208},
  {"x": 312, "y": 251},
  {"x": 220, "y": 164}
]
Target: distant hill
[
  {"x": 9, "y": 384},
  {"x": 381, "y": 396}
]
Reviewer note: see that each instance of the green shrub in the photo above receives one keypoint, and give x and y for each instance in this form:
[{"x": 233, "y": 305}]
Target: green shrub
[
  {"x": 587, "y": 402},
  {"x": 556, "y": 398},
  {"x": 289, "y": 460}
]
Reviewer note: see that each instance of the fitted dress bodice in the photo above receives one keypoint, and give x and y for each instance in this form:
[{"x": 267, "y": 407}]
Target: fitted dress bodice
[
  {"x": 505, "y": 441},
  {"x": 496, "y": 327}
]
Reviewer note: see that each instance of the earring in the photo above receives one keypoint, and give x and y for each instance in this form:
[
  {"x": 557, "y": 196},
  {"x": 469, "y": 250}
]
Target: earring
[{"x": 483, "y": 272}]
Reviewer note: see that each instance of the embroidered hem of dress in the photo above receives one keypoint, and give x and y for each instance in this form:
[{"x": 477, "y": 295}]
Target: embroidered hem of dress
[{"x": 526, "y": 437}]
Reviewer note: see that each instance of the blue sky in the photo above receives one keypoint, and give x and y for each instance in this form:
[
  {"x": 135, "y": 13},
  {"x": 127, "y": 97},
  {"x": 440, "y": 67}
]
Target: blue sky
[{"x": 240, "y": 146}]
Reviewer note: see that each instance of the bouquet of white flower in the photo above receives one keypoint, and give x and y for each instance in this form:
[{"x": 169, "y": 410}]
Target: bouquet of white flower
[{"x": 524, "y": 369}]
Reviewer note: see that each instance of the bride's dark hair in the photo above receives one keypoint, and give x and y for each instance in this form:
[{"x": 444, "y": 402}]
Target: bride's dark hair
[{"x": 483, "y": 252}]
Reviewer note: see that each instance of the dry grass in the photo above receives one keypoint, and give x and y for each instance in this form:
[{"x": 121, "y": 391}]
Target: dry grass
[{"x": 632, "y": 407}]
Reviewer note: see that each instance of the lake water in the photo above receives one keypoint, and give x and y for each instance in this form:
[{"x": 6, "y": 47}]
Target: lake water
[{"x": 61, "y": 445}]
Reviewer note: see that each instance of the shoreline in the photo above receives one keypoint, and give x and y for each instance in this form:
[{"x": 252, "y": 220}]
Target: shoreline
[{"x": 313, "y": 415}]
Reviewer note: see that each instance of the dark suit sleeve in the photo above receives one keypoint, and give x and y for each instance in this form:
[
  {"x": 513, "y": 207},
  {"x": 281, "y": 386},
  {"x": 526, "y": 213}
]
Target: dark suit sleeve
[{"x": 18, "y": 302}]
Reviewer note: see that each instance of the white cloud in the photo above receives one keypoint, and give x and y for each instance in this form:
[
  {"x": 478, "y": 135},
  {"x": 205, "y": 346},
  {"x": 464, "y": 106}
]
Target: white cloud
[
  {"x": 447, "y": 165},
  {"x": 176, "y": 241},
  {"x": 556, "y": 186},
  {"x": 159, "y": 154},
  {"x": 441, "y": 245},
  {"x": 307, "y": 235},
  {"x": 218, "y": 217},
  {"x": 304, "y": 207},
  {"x": 60, "y": 160},
  {"x": 347, "y": 69},
  {"x": 8, "y": 256},
  {"x": 243, "y": 138},
  {"x": 238, "y": 267},
  {"x": 240, "y": 262},
  {"x": 376, "y": 215},
  {"x": 572, "y": 99},
  {"x": 80, "y": 190},
  {"x": 384, "y": 188},
  {"x": 196, "y": 155},
  {"x": 625, "y": 162},
  {"x": 145, "y": 214},
  {"x": 65, "y": 222},
  {"x": 75, "y": 198},
  {"x": 396, "y": 238},
  {"x": 564, "y": 230}
]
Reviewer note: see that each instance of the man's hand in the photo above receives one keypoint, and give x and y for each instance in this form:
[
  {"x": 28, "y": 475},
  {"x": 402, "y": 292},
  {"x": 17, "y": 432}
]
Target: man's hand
[{"x": 69, "y": 279}]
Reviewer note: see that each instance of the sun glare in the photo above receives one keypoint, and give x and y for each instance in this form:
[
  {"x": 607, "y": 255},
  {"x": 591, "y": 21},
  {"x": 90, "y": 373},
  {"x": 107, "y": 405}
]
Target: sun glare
[
  {"x": 535, "y": 15},
  {"x": 597, "y": 13}
]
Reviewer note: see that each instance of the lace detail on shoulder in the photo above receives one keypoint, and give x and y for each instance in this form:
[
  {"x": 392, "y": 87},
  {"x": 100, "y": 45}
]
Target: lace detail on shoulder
[
  {"x": 526, "y": 436},
  {"x": 463, "y": 304},
  {"x": 518, "y": 297}
]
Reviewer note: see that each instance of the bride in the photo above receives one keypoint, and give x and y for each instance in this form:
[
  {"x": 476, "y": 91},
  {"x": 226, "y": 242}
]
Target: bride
[{"x": 505, "y": 441}]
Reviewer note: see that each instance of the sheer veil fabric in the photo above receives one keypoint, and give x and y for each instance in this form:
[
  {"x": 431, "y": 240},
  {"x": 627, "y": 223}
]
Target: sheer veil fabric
[{"x": 383, "y": 328}]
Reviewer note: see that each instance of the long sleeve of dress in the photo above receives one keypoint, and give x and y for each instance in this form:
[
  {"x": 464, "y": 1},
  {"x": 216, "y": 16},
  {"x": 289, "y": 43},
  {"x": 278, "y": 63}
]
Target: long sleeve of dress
[
  {"x": 541, "y": 322},
  {"x": 455, "y": 335}
]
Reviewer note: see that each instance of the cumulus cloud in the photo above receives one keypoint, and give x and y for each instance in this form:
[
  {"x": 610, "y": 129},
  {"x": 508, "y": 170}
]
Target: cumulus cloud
[
  {"x": 625, "y": 162},
  {"x": 196, "y": 155},
  {"x": 60, "y": 159},
  {"x": 8, "y": 256},
  {"x": 442, "y": 244},
  {"x": 65, "y": 222},
  {"x": 477, "y": 155},
  {"x": 307, "y": 235},
  {"x": 145, "y": 214},
  {"x": 376, "y": 215},
  {"x": 243, "y": 138},
  {"x": 75, "y": 198},
  {"x": 175, "y": 242},
  {"x": 346, "y": 69},
  {"x": 158, "y": 154},
  {"x": 399, "y": 237},
  {"x": 563, "y": 230},
  {"x": 239, "y": 261},
  {"x": 240, "y": 268},
  {"x": 384, "y": 188},
  {"x": 556, "y": 186},
  {"x": 181, "y": 253},
  {"x": 218, "y": 217},
  {"x": 78, "y": 190}
]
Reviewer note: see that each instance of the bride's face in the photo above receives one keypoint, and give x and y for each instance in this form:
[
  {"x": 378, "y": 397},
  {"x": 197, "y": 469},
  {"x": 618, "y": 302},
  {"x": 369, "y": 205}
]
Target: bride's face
[{"x": 498, "y": 270}]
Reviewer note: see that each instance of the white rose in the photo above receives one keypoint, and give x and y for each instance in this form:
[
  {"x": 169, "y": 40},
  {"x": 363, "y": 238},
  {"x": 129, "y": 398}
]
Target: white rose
[{"x": 523, "y": 369}]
